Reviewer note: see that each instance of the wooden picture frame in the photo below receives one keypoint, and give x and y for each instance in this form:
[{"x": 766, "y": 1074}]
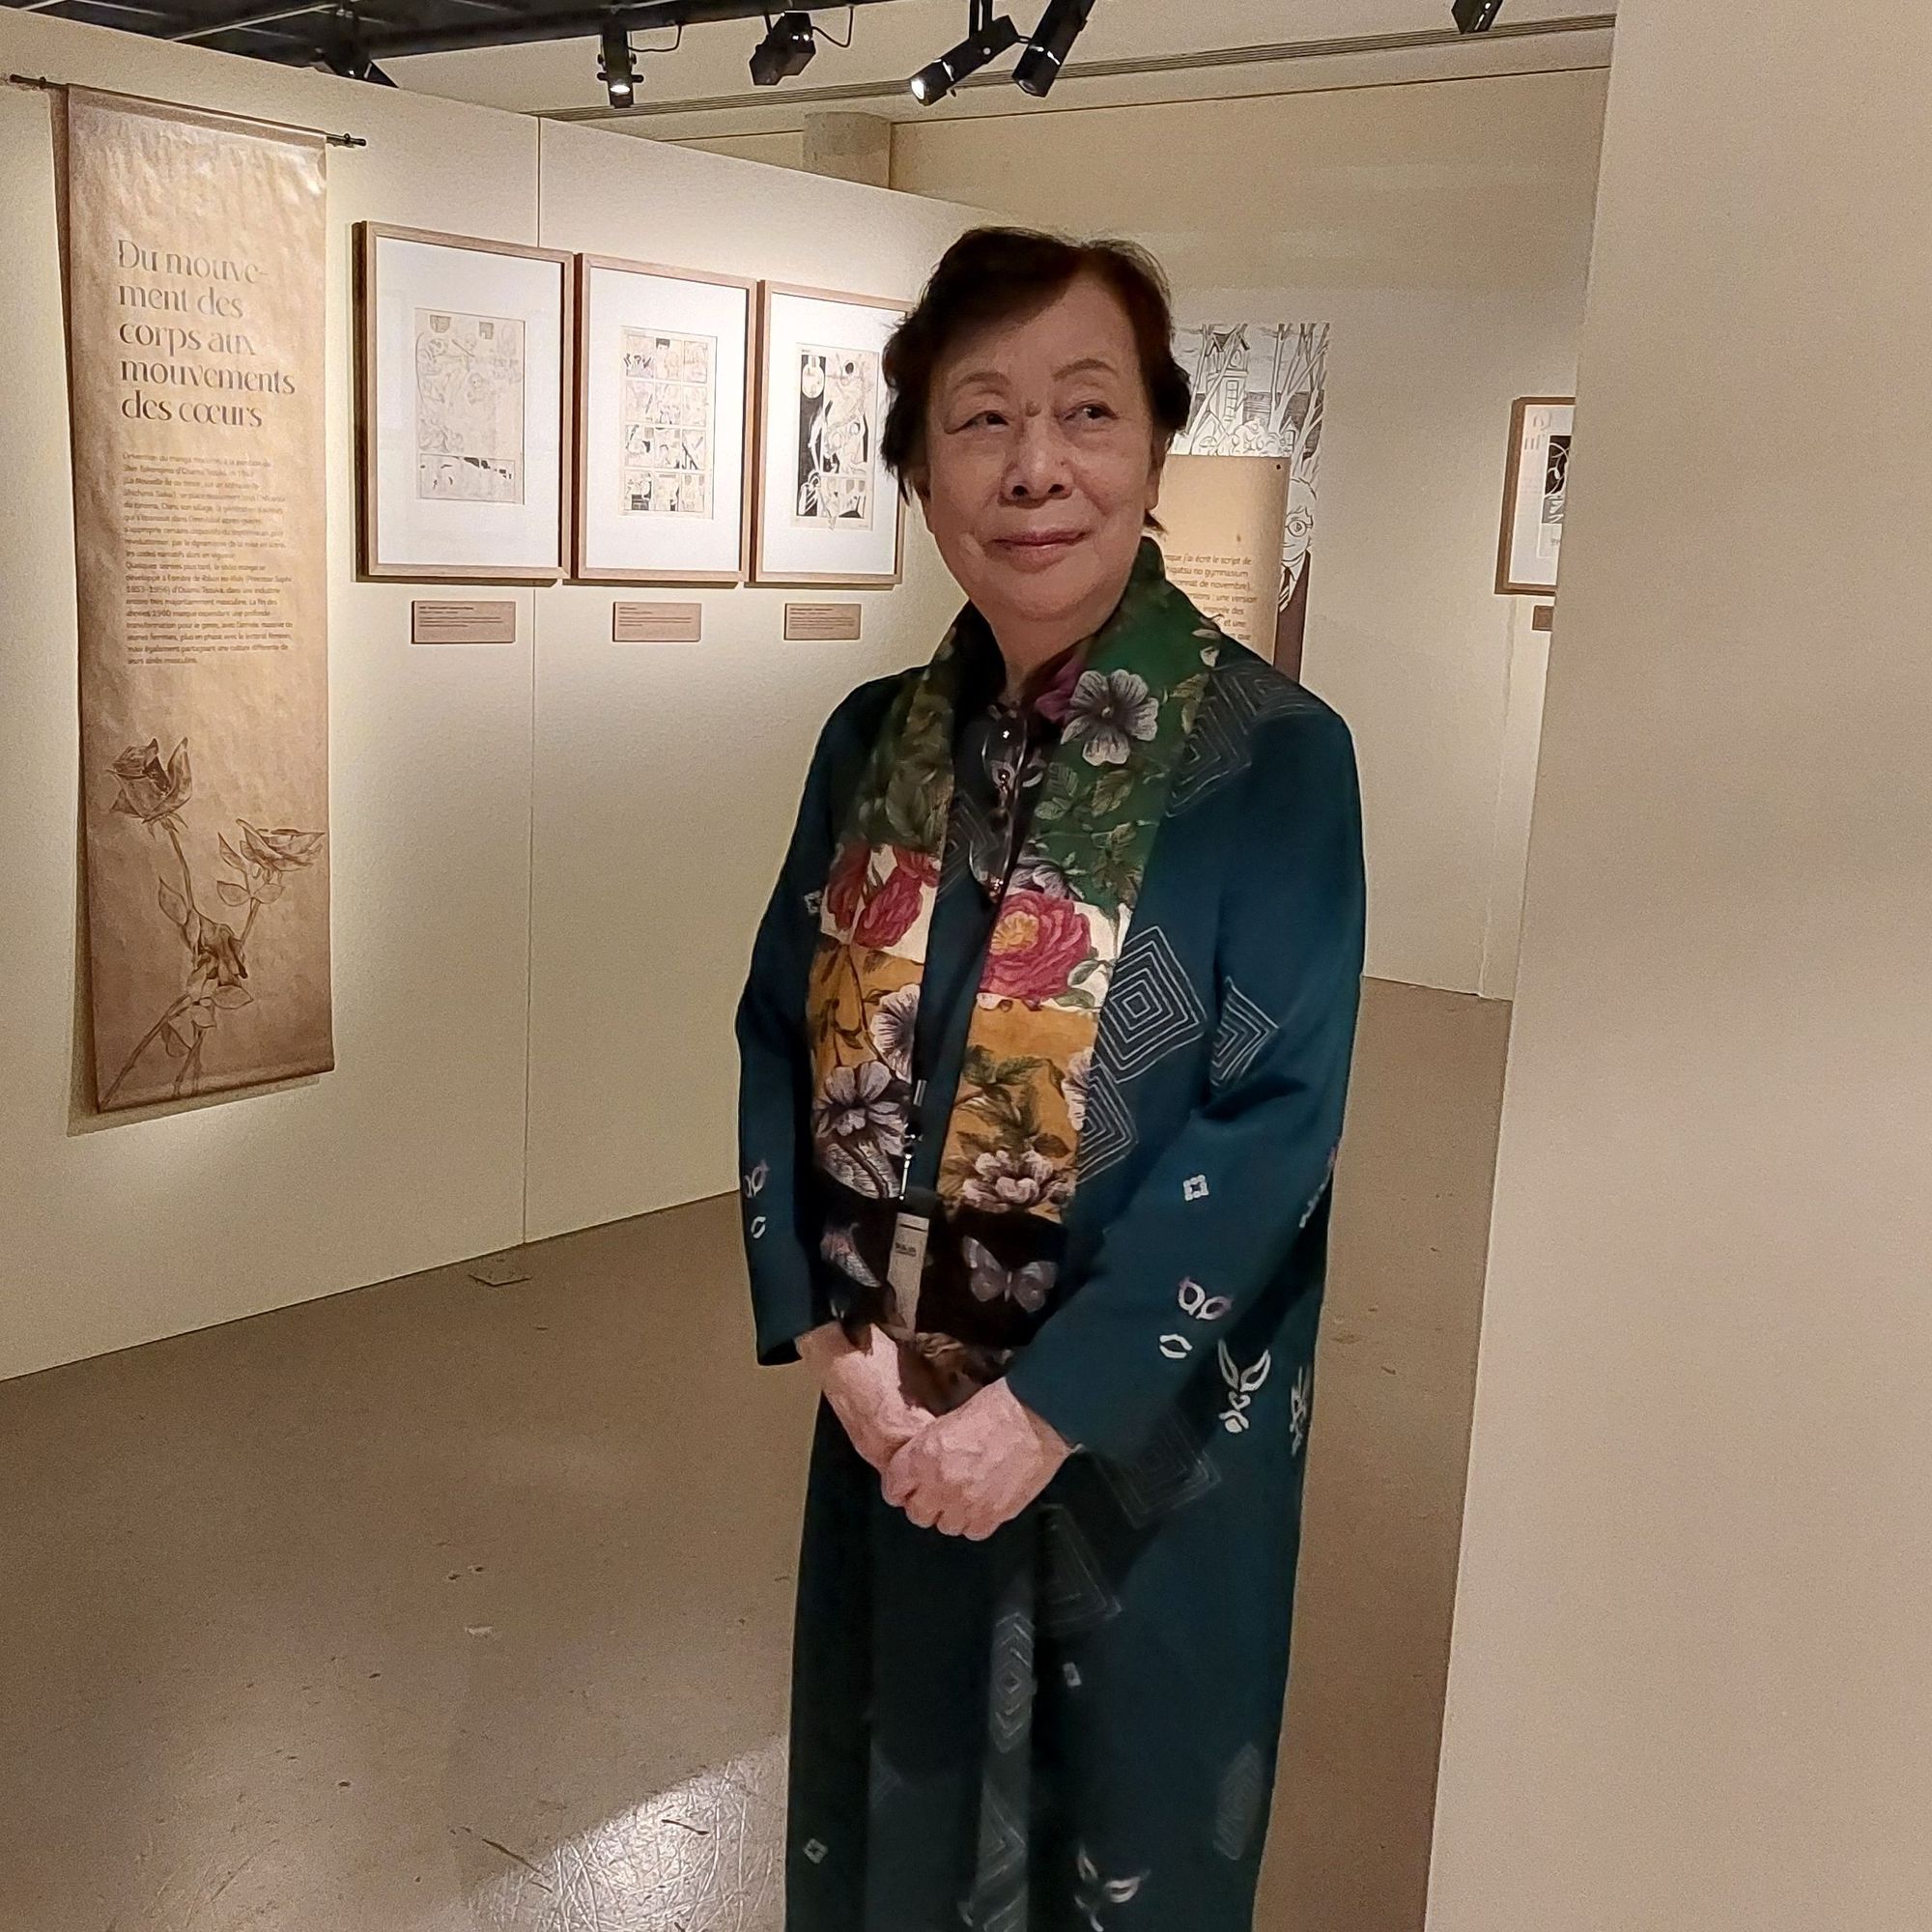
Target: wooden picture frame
[
  {"x": 776, "y": 561},
  {"x": 1529, "y": 549},
  {"x": 383, "y": 551},
  {"x": 587, "y": 568}
]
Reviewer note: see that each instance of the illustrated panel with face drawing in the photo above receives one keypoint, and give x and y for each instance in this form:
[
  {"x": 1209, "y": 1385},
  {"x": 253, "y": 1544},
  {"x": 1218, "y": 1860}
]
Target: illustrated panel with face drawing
[
  {"x": 828, "y": 510},
  {"x": 838, "y": 437}
]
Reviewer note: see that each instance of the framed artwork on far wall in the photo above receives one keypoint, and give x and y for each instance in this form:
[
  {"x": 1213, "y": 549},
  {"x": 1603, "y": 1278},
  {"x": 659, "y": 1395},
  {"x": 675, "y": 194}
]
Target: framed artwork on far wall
[
  {"x": 1534, "y": 492},
  {"x": 664, "y": 413},
  {"x": 464, "y": 352},
  {"x": 828, "y": 510}
]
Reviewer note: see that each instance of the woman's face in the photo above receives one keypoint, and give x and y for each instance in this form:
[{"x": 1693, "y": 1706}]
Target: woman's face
[{"x": 1041, "y": 466}]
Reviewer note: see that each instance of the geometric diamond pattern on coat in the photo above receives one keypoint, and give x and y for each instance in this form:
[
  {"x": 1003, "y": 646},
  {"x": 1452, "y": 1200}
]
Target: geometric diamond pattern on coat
[
  {"x": 1239, "y": 1809},
  {"x": 1152, "y": 1008},
  {"x": 1003, "y": 1846},
  {"x": 1242, "y": 692},
  {"x": 1170, "y": 1471},
  {"x": 1012, "y": 1679},
  {"x": 1074, "y": 1596},
  {"x": 1107, "y": 1134},
  {"x": 1244, "y": 1030},
  {"x": 884, "y": 1780}
]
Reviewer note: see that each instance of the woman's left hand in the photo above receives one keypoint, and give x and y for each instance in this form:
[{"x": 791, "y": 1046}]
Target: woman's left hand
[{"x": 971, "y": 1470}]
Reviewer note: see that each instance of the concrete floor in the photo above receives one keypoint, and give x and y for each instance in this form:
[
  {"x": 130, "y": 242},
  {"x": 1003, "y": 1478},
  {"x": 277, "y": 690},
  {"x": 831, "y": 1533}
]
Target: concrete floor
[{"x": 439, "y": 1607}]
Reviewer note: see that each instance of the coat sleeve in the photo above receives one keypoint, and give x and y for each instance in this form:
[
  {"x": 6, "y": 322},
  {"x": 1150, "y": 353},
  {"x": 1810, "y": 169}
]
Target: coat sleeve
[
  {"x": 774, "y": 1069},
  {"x": 1225, "y": 1202}
]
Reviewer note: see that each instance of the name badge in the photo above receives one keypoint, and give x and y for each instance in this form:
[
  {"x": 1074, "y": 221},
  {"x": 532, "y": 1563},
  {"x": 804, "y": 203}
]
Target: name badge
[{"x": 910, "y": 1235}]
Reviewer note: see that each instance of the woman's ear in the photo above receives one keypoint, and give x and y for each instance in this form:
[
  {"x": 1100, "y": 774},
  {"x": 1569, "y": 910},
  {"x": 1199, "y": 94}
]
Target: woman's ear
[
  {"x": 1155, "y": 478},
  {"x": 919, "y": 484}
]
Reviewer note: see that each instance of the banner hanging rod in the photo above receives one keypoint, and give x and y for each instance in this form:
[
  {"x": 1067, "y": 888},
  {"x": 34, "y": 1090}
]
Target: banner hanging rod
[{"x": 46, "y": 85}]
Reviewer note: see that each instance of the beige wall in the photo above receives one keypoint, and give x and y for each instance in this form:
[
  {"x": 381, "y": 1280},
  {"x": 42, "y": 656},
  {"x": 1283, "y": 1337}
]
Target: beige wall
[
  {"x": 1692, "y": 1680},
  {"x": 1444, "y": 230},
  {"x": 654, "y": 786}
]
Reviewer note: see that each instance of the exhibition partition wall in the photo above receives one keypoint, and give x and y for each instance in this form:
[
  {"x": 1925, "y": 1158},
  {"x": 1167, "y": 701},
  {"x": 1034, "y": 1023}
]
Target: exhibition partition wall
[
  {"x": 1688, "y": 1689},
  {"x": 1443, "y": 233},
  {"x": 547, "y": 857}
]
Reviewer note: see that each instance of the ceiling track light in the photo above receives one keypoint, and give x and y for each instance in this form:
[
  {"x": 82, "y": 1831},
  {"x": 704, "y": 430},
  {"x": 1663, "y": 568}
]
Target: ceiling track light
[
  {"x": 1476, "y": 17},
  {"x": 985, "y": 41},
  {"x": 616, "y": 66},
  {"x": 786, "y": 51},
  {"x": 353, "y": 63},
  {"x": 1053, "y": 41}
]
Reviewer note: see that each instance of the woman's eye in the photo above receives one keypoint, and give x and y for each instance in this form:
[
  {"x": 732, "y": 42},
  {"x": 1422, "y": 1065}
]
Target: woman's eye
[
  {"x": 1093, "y": 412},
  {"x": 986, "y": 419}
]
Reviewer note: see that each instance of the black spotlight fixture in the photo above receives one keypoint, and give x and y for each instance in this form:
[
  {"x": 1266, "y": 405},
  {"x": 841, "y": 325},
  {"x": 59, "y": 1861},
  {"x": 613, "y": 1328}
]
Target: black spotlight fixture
[
  {"x": 986, "y": 40},
  {"x": 1476, "y": 17},
  {"x": 786, "y": 51},
  {"x": 353, "y": 63},
  {"x": 1060, "y": 26},
  {"x": 616, "y": 66}
]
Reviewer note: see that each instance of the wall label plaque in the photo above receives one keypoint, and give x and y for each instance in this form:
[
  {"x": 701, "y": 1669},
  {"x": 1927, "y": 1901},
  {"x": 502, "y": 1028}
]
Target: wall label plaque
[
  {"x": 463, "y": 620},
  {"x": 635, "y": 623},
  {"x": 823, "y": 623}
]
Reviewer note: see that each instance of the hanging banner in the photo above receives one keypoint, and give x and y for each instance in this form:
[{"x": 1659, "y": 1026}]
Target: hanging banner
[
  {"x": 1261, "y": 389},
  {"x": 1221, "y": 520},
  {"x": 196, "y": 304}
]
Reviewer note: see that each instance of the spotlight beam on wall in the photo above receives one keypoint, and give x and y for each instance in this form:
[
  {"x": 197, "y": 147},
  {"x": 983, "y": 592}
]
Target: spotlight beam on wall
[
  {"x": 786, "y": 51},
  {"x": 1060, "y": 26}
]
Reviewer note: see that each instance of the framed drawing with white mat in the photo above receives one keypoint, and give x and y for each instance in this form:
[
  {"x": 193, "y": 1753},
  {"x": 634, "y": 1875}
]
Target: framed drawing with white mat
[
  {"x": 464, "y": 375},
  {"x": 664, "y": 385},
  {"x": 829, "y": 512}
]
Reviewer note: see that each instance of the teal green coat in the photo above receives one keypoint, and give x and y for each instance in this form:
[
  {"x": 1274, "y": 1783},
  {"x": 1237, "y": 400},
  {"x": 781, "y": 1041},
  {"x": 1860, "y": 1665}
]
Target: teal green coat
[{"x": 1073, "y": 1723}]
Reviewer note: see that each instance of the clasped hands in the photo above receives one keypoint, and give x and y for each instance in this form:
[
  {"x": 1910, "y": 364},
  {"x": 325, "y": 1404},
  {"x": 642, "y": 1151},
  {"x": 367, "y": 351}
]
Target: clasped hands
[{"x": 964, "y": 1473}]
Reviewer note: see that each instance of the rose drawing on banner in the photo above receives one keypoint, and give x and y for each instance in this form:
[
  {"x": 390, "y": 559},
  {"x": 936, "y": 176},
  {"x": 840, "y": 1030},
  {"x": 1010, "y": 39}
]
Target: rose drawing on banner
[{"x": 156, "y": 793}]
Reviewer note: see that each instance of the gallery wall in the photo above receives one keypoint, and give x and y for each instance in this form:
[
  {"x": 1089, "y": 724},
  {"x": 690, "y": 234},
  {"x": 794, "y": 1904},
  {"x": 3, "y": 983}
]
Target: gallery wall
[
  {"x": 1688, "y": 1686},
  {"x": 653, "y": 785},
  {"x": 1443, "y": 228}
]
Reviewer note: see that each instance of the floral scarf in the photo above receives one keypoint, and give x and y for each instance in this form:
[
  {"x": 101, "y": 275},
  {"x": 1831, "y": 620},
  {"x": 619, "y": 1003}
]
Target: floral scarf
[{"x": 1008, "y": 1166}]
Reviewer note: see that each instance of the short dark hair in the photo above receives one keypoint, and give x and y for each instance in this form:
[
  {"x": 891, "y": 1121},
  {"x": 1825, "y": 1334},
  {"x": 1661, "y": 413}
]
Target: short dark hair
[{"x": 991, "y": 275}]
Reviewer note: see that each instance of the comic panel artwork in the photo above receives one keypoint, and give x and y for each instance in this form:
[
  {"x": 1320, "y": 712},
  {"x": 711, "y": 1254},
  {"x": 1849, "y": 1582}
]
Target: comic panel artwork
[
  {"x": 469, "y": 407},
  {"x": 838, "y": 438},
  {"x": 1555, "y": 489},
  {"x": 670, "y": 405}
]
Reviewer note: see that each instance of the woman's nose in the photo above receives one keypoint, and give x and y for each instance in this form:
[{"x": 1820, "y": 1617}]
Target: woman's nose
[{"x": 1039, "y": 471}]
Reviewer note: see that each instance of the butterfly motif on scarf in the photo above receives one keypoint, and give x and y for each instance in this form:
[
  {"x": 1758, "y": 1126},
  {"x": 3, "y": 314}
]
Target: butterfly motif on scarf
[{"x": 991, "y": 1280}]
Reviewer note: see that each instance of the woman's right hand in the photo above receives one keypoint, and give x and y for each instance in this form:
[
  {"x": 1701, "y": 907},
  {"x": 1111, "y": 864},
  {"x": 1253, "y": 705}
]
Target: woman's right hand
[{"x": 861, "y": 1383}]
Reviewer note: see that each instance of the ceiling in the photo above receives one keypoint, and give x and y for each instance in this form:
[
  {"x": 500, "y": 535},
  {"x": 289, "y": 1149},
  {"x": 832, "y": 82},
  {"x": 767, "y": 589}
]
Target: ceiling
[{"x": 1146, "y": 51}]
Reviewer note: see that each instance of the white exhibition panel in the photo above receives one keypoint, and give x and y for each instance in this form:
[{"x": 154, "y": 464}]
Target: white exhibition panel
[
  {"x": 1688, "y": 1688},
  {"x": 668, "y": 777},
  {"x": 619, "y": 299},
  {"x": 415, "y": 277},
  {"x": 1449, "y": 297},
  {"x": 412, "y": 1153}
]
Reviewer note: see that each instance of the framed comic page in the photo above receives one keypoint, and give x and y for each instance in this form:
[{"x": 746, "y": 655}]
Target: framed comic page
[
  {"x": 828, "y": 511},
  {"x": 1534, "y": 493},
  {"x": 463, "y": 381},
  {"x": 664, "y": 409}
]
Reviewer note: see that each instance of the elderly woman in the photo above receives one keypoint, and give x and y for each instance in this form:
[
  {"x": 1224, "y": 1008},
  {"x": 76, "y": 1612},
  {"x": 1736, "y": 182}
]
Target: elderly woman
[{"x": 1044, "y": 1049}]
